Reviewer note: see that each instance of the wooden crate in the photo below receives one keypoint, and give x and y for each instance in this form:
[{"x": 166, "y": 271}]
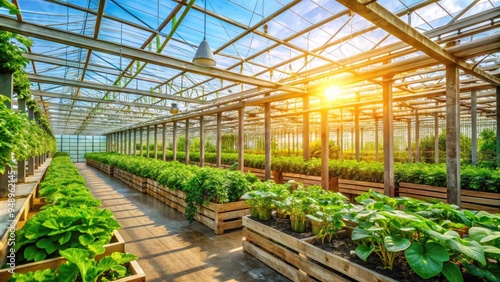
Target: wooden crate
[
  {"x": 117, "y": 244},
  {"x": 474, "y": 200},
  {"x": 218, "y": 217},
  {"x": 354, "y": 188},
  {"x": 299, "y": 260},
  {"x": 136, "y": 272}
]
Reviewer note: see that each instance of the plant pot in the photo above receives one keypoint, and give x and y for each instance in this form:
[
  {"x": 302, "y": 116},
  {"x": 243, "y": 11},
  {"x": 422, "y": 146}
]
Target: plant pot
[
  {"x": 254, "y": 212},
  {"x": 298, "y": 225},
  {"x": 316, "y": 226},
  {"x": 265, "y": 213}
]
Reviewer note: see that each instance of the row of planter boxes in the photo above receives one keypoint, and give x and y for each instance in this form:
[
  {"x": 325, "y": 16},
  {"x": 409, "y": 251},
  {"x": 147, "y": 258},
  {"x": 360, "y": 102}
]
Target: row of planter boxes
[
  {"x": 299, "y": 259},
  {"x": 218, "y": 217}
]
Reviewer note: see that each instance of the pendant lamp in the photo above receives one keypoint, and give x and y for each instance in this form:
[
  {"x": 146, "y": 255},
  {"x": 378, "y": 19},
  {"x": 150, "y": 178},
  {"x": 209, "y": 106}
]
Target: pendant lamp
[
  {"x": 204, "y": 56},
  {"x": 174, "y": 109}
]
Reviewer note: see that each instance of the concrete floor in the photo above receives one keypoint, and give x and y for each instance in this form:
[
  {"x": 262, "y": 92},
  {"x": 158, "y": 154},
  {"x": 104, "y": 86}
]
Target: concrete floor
[{"x": 168, "y": 246}]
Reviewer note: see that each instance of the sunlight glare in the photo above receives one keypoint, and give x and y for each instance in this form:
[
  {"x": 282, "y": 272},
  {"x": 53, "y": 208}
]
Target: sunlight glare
[{"x": 332, "y": 93}]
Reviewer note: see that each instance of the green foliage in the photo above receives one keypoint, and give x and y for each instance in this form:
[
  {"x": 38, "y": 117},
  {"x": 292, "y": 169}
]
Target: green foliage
[
  {"x": 315, "y": 150},
  {"x": 12, "y": 47},
  {"x": 487, "y": 145},
  {"x": 9, "y": 6},
  {"x": 46, "y": 275},
  {"x": 60, "y": 154}
]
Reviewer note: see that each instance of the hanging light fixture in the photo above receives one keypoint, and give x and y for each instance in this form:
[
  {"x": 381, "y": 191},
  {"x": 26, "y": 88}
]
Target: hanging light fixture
[
  {"x": 204, "y": 56},
  {"x": 174, "y": 109}
]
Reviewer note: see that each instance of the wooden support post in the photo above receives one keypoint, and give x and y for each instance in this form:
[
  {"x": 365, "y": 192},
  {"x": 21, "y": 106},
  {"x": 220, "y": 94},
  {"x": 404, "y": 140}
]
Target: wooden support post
[
  {"x": 219, "y": 139},
  {"x": 164, "y": 140},
  {"x": 356, "y": 133},
  {"x": 31, "y": 161},
  {"x": 376, "y": 139},
  {"x": 341, "y": 144},
  {"x": 267, "y": 140},
  {"x": 140, "y": 141},
  {"x": 498, "y": 126},
  {"x": 305, "y": 128},
  {"x": 241, "y": 147},
  {"x": 156, "y": 142},
  {"x": 324, "y": 147},
  {"x": 202, "y": 142},
  {"x": 186, "y": 134},
  {"x": 174, "y": 141},
  {"x": 409, "y": 141},
  {"x": 436, "y": 137},
  {"x": 147, "y": 141},
  {"x": 21, "y": 164},
  {"x": 452, "y": 135},
  {"x": 388, "y": 134},
  {"x": 134, "y": 149},
  {"x": 417, "y": 137},
  {"x": 130, "y": 144},
  {"x": 6, "y": 89},
  {"x": 473, "y": 109}
]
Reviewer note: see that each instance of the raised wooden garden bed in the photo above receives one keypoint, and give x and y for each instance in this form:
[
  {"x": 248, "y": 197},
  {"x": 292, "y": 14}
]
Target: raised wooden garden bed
[
  {"x": 136, "y": 272},
  {"x": 117, "y": 244},
  {"x": 299, "y": 260},
  {"x": 134, "y": 181},
  {"x": 218, "y": 217},
  {"x": 474, "y": 200}
]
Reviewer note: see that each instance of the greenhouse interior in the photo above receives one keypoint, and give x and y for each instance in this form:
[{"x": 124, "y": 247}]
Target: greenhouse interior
[{"x": 223, "y": 140}]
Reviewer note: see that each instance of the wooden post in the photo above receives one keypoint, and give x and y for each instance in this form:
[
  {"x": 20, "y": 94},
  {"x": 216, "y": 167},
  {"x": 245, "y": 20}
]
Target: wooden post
[
  {"x": 324, "y": 147},
  {"x": 219, "y": 139},
  {"x": 409, "y": 141},
  {"x": 135, "y": 142},
  {"x": 202, "y": 142},
  {"x": 21, "y": 164},
  {"x": 31, "y": 161},
  {"x": 267, "y": 140},
  {"x": 376, "y": 139},
  {"x": 241, "y": 141},
  {"x": 130, "y": 142},
  {"x": 452, "y": 135},
  {"x": 498, "y": 126},
  {"x": 356, "y": 132},
  {"x": 186, "y": 134},
  {"x": 341, "y": 144},
  {"x": 388, "y": 134},
  {"x": 305, "y": 128},
  {"x": 147, "y": 141},
  {"x": 417, "y": 137},
  {"x": 6, "y": 89},
  {"x": 473, "y": 109},
  {"x": 174, "y": 141},
  {"x": 436, "y": 137},
  {"x": 140, "y": 141},
  {"x": 164, "y": 140},
  {"x": 156, "y": 141}
]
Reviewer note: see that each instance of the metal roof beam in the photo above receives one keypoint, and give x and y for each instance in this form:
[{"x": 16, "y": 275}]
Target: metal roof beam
[
  {"x": 112, "y": 88},
  {"x": 378, "y": 15},
  {"x": 82, "y": 41},
  {"x": 97, "y": 100}
]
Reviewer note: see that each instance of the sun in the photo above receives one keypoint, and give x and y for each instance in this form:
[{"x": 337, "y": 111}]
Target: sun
[{"x": 332, "y": 93}]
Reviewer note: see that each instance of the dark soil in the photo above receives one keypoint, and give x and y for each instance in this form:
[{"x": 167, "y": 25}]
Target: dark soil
[{"x": 344, "y": 247}]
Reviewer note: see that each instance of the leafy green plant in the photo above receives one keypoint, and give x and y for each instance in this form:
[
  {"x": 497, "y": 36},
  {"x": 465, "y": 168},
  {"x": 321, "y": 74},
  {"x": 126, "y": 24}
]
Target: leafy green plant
[
  {"x": 55, "y": 228},
  {"x": 330, "y": 210}
]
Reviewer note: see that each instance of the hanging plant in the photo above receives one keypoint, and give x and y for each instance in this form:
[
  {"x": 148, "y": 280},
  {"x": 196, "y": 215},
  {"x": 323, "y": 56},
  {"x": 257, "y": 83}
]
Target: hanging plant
[{"x": 12, "y": 47}]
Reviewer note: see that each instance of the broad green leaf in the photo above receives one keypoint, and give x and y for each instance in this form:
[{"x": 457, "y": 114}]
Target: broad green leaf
[
  {"x": 396, "y": 244},
  {"x": 478, "y": 233},
  {"x": 492, "y": 252},
  {"x": 359, "y": 234},
  {"x": 426, "y": 262},
  {"x": 64, "y": 238},
  {"x": 106, "y": 263},
  {"x": 96, "y": 248},
  {"x": 86, "y": 239},
  {"x": 120, "y": 270},
  {"x": 122, "y": 258},
  {"x": 51, "y": 223},
  {"x": 68, "y": 272},
  {"x": 452, "y": 272},
  {"x": 491, "y": 237},
  {"x": 47, "y": 244},
  {"x": 30, "y": 253},
  {"x": 473, "y": 270},
  {"x": 40, "y": 256},
  {"x": 472, "y": 249},
  {"x": 364, "y": 251}
]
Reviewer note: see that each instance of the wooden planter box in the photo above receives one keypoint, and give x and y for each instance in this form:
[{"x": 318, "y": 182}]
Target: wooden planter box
[
  {"x": 134, "y": 181},
  {"x": 474, "y": 200},
  {"x": 117, "y": 244},
  {"x": 136, "y": 272},
  {"x": 218, "y": 217},
  {"x": 299, "y": 260}
]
